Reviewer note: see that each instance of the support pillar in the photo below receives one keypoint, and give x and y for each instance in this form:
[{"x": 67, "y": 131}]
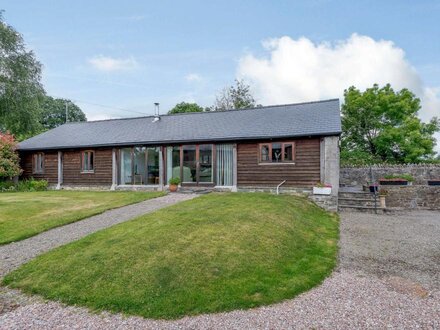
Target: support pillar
[
  {"x": 60, "y": 170},
  {"x": 161, "y": 168},
  {"x": 114, "y": 170}
]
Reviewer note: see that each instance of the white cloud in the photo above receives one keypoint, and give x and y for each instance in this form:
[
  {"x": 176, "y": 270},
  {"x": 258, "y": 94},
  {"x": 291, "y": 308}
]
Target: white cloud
[
  {"x": 110, "y": 64},
  {"x": 193, "y": 77},
  {"x": 300, "y": 70}
]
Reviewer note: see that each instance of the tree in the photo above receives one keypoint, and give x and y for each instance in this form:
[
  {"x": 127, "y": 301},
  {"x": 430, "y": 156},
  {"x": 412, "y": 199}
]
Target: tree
[
  {"x": 237, "y": 96},
  {"x": 183, "y": 107},
  {"x": 53, "y": 112},
  {"x": 381, "y": 125},
  {"x": 20, "y": 87},
  {"x": 9, "y": 160}
]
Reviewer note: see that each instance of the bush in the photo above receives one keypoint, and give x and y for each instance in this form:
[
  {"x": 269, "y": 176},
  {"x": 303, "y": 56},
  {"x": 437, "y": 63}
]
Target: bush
[
  {"x": 406, "y": 177},
  {"x": 9, "y": 160},
  {"x": 24, "y": 185},
  {"x": 174, "y": 181}
]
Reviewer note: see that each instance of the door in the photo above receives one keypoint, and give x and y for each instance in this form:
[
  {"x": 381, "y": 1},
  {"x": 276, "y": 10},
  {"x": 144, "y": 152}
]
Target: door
[{"x": 196, "y": 164}]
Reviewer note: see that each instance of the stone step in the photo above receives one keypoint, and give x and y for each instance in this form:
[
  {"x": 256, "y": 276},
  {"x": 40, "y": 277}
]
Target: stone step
[
  {"x": 358, "y": 201},
  {"x": 358, "y": 194},
  {"x": 365, "y": 209}
]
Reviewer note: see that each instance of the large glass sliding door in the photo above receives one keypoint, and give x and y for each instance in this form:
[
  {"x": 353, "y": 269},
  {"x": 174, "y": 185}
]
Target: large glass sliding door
[
  {"x": 139, "y": 166},
  {"x": 189, "y": 164},
  {"x": 193, "y": 164},
  {"x": 205, "y": 163},
  {"x": 152, "y": 173},
  {"x": 126, "y": 166}
]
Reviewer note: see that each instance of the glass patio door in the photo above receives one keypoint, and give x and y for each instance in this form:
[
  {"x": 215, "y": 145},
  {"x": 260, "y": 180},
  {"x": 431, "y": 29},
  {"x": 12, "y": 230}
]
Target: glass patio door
[{"x": 193, "y": 164}]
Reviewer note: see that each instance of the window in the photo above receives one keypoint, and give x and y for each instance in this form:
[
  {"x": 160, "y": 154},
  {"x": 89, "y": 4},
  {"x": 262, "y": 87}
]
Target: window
[
  {"x": 38, "y": 163},
  {"x": 87, "y": 161},
  {"x": 264, "y": 153},
  {"x": 277, "y": 152}
]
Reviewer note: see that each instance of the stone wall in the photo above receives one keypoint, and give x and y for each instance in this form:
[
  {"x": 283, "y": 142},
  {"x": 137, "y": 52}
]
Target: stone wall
[
  {"x": 413, "y": 197},
  {"x": 358, "y": 176}
]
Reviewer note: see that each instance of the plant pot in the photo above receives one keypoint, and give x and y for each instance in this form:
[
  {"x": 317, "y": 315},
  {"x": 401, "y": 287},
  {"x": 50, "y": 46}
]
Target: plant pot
[
  {"x": 173, "y": 187},
  {"x": 373, "y": 188},
  {"x": 393, "y": 182},
  {"x": 433, "y": 182},
  {"x": 382, "y": 200},
  {"x": 322, "y": 190}
]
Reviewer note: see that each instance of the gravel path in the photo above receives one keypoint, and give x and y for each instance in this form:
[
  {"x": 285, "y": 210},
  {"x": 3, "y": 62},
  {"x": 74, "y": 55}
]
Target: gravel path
[
  {"x": 14, "y": 254},
  {"x": 384, "y": 281}
]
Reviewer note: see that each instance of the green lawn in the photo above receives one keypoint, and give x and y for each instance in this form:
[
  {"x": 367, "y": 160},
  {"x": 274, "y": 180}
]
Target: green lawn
[
  {"x": 215, "y": 253},
  {"x": 24, "y": 214}
]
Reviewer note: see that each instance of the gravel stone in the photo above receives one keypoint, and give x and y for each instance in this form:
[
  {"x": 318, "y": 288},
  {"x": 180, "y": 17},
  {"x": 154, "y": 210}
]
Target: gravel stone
[{"x": 382, "y": 281}]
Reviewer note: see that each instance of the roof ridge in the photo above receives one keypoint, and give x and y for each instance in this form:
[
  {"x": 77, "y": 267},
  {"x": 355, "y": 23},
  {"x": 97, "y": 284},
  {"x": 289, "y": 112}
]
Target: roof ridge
[{"x": 204, "y": 112}]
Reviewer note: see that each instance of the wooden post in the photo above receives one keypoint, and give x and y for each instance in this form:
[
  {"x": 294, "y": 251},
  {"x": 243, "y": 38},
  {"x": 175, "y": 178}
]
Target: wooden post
[
  {"x": 60, "y": 170},
  {"x": 234, "y": 169}
]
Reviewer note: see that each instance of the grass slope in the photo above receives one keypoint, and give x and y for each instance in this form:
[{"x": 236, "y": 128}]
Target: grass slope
[
  {"x": 216, "y": 253},
  {"x": 25, "y": 214}
]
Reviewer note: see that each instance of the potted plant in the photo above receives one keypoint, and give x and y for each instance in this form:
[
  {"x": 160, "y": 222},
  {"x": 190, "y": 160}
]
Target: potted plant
[
  {"x": 382, "y": 197},
  {"x": 396, "y": 180},
  {"x": 174, "y": 182},
  {"x": 322, "y": 189}
]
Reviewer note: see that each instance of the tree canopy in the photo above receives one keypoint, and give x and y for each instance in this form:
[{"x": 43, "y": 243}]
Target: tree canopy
[
  {"x": 53, "y": 112},
  {"x": 183, "y": 107},
  {"x": 382, "y": 125},
  {"x": 237, "y": 96},
  {"x": 20, "y": 84}
]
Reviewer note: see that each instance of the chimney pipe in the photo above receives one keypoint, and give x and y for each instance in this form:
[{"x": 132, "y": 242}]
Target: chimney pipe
[{"x": 156, "y": 112}]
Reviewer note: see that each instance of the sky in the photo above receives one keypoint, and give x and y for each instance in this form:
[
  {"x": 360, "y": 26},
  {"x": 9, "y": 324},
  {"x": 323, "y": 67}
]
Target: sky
[{"x": 115, "y": 59}]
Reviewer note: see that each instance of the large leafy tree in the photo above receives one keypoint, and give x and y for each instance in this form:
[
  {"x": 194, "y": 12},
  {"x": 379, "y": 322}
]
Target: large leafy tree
[
  {"x": 237, "y": 96},
  {"x": 9, "y": 161},
  {"x": 20, "y": 88},
  {"x": 382, "y": 125},
  {"x": 183, "y": 107},
  {"x": 53, "y": 112}
]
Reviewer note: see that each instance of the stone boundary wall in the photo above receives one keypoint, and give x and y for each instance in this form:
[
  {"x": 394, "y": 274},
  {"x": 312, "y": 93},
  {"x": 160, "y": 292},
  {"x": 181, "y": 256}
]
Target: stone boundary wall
[
  {"x": 358, "y": 176},
  {"x": 413, "y": 197}
]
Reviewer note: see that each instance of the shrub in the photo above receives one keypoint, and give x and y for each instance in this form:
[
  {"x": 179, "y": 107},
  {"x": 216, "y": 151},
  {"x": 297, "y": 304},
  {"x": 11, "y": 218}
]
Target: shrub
[
  {"x": 24, "y": 185},
  {"x": 174, "y": 181},
  {"x": 407, "y": 177},
  {"x": 9, "y": 160}
]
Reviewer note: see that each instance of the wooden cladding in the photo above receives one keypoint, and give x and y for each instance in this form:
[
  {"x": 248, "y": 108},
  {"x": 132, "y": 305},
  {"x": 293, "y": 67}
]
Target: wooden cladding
[
  {"x": 304, "y": 171},
  {"x": 73, "y": 173},
  {"x": 72, "y": 167},
  {"x": 50, "y": 166}
]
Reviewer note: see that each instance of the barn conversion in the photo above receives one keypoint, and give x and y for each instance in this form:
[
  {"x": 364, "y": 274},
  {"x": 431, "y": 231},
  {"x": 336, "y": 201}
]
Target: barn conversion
[{"x": 237, "y": 149}]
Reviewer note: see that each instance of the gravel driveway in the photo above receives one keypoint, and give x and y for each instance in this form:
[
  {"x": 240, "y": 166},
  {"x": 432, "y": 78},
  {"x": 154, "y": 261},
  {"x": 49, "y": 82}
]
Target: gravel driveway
[{"x": 387, "y": 278}]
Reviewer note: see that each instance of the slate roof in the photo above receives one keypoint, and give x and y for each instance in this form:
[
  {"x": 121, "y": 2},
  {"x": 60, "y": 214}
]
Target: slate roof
[{"x": 278, "y": 121}]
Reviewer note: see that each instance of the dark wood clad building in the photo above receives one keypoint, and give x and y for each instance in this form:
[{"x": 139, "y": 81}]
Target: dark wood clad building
[{"x": 236, "y": 149}]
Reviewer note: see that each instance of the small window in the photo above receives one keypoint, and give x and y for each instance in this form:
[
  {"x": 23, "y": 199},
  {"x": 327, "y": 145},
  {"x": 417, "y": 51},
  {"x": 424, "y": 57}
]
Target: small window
[
  {"x": 264, "y": 152},
  {"x": 288, "y": 152},
  {"x": 38, "y": 163},
  {"x": 277, "y": 152},
  {"x": 88, "y": 161}
]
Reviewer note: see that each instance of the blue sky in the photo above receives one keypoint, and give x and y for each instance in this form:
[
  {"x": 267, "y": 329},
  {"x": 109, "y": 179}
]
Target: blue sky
[{"x": 130, "y": 54}]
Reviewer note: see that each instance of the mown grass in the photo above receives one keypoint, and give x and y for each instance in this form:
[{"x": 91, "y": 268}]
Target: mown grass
[
  {"x": 24, "y": 214},
  {"x": 215, "y": 253}
]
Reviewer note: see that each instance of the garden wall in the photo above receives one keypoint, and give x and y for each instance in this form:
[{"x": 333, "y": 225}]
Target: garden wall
[
  {"x": 413, "y": 197},
  {"x": 358, "y": 176}
]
